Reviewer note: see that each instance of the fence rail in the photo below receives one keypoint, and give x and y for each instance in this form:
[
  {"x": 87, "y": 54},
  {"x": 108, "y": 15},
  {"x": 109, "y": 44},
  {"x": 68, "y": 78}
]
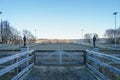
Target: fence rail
[
  {"x": 22, "y": 63},
  {"x": 97, "y": 61},
  {"x": 59, "y": 57}
]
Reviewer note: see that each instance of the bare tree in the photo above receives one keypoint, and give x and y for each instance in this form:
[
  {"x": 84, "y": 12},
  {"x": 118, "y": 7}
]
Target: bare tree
[
  {"x": 8, "y": 33},
  {"x": 88, "y": 37},
  {"x": 118, "y": 35},
  {"x": 15, "y": 36},
  {"x": 29, "y": 36},
  {"x": 109, "y": 34},
  {"x": 5, "y": 31}
]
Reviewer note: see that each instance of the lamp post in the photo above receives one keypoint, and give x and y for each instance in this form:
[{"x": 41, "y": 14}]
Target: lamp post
[
  {"x": 115, "y": 13},
  {"x": 35, "y": 33},
  {"x": 82, "y": 33}
]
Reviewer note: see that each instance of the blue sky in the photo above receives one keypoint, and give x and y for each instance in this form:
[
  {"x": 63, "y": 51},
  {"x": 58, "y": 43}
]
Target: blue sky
[{"x": 61, "y": 18}]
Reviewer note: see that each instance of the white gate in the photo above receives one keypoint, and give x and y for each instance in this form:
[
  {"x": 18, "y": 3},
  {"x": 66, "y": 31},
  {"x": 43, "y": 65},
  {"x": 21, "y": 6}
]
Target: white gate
[{"x": 60, "y": 57}]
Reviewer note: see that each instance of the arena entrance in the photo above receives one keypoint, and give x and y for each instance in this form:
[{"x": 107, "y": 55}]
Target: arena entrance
[{"x": 59, "y": 57}]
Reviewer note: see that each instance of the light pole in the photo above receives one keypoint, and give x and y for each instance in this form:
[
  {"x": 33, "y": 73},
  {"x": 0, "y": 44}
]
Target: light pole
[
  {"x": 115, "y": 13},
  {"x": 82, "y": 33},
  {"x": 35, "y": 33}
]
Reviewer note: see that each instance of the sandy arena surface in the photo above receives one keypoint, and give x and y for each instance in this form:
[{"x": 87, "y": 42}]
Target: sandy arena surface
[{"x": 60, "y": 73}]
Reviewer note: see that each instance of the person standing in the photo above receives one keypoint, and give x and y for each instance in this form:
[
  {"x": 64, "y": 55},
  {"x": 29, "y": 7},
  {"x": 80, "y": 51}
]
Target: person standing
[{"x": 94, "y": 40}]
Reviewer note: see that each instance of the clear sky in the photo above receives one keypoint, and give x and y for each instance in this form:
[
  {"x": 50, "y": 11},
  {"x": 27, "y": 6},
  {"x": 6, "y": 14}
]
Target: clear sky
[{"x": 61, "y": 18}]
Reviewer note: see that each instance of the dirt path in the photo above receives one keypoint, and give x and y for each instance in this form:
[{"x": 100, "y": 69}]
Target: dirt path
[{"x": 60, "y": 73}]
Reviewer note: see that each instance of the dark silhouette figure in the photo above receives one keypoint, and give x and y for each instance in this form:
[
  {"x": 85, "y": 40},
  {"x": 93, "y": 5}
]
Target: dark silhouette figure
[
  {"x": 24, "y": 39},
  {"x": 94, "y": 39}
]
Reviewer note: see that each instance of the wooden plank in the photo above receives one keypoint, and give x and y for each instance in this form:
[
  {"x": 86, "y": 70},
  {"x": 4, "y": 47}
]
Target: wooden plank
[
  {"x": 9, "y": 50},
  {"x": 49, "y": 56},
  {"x": 111, "y": 68},
  {"x": 116, "y": 55},
  {"x": 97, "y": 72},
  {"x": 17, "y": 68},
  {"x": 11, "y": 67},
  {"x": 109, "y": 57},
  {"x": 85, "y": 58},
  {"x": 109, "y": 50},
  {"x": 72, "y": 62},
  {"x": 22, "y": 72},
  {"x": 63, "y": 50},
  {"x": 49, "y": 62},
  {"x": 6, "y": 59},
  {"x": 34, "y": 59},
  {"x": 71, "y": 56}
]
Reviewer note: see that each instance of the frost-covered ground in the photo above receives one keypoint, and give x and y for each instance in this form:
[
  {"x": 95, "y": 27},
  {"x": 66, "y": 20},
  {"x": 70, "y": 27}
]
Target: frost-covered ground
[
  {"x": 60, "y": 73},
  {"x": 62, "y": 46}
]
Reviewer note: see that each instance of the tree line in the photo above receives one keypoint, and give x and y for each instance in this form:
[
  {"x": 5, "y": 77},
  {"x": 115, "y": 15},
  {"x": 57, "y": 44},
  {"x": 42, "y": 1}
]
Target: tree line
[
  {"x": 88, "y": 37},
  {"x": 10, "y": 35},
  {"x": 109, "y": 36}
]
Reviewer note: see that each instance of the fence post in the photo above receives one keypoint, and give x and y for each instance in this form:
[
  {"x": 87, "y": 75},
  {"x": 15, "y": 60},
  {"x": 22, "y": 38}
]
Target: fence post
[
  {"x": 34, "y": 58},
  {"x": 24, "y": 49},
  {"x": 17, "y": 68},
  {"x": 84, "y": 57},
  {"x": 60, "y": 57},
  {"x": 95, "y": 65}
]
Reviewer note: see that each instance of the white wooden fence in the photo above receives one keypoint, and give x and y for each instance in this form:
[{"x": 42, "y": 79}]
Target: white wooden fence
[
  {"x": 97, "y": 61},
  {"x": 25, "y": 59},
  {"x": 59, "y": 57}
]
